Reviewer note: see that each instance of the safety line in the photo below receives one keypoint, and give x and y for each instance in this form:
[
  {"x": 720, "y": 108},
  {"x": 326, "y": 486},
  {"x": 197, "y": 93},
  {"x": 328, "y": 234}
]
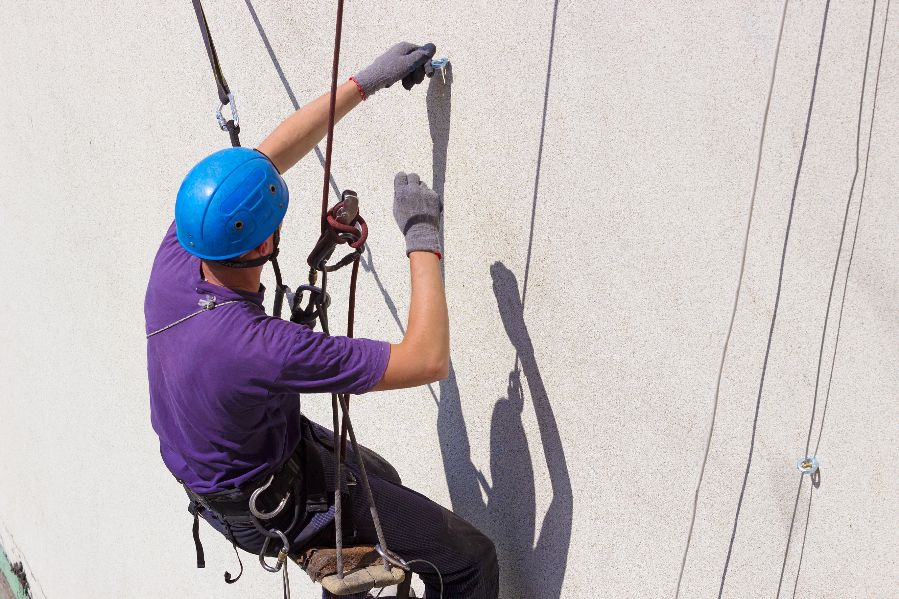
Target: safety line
[
  {"x": 855, "y": 233},
  {"x": 830, "y": 297},
  {"x": 783, "y": 566},
  {"x": 329, "y": 144},
  {"x": 832, "y": 288},
  {"x": 808, "y": 513},
  {"x": 733, "y": 314},
  {"x": 549, "y": 69},
  {"x": 783, "y": 259},
  {"x": 845, "y": 287},
  {"x": 836, "y": 264}
]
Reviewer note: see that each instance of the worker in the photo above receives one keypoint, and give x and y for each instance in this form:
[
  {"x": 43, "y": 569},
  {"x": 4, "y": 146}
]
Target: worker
[{"x": 224, "y": 376}]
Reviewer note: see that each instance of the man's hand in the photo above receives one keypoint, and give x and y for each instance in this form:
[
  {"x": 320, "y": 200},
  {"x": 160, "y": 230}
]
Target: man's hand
[
  {"x": 416, "y": 209},
  {"x": 403, "y": 61}
]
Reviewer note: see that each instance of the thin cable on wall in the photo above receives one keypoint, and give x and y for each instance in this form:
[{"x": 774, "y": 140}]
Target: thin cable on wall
[
  {"x": 733, "y": 314},
  {"x": 776, "y": 301},
  {"x": 833, "y": 280},
  {"x": 845, "y": 287}
]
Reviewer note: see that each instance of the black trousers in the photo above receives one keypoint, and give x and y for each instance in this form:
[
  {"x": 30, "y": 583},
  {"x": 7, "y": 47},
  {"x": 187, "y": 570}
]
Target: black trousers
[{"x": 414, "y": 526}]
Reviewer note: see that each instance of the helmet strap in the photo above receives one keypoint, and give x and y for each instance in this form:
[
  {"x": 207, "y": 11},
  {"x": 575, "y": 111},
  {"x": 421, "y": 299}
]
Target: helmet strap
[{"x": 256, "y": 261}]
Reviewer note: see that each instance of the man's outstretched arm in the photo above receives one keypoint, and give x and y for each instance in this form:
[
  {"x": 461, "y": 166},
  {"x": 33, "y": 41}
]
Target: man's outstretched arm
[
  {"x": 300, "y": 132},
  {"x": 423, "y": 355}
]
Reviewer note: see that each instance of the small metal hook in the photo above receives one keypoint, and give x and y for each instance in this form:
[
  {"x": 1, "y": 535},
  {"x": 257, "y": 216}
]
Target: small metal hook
[
  {"x": 439, "y": 64},
  {"x": 255, "y": 496},
  {"x": 390, "y": 558},
  {"x": 807, "y": 465}
]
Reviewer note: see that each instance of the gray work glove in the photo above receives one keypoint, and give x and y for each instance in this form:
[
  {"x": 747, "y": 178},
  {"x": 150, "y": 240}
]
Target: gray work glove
[
  {"x": 416, "y": 209},
  {"x": 403, "y": 61}
]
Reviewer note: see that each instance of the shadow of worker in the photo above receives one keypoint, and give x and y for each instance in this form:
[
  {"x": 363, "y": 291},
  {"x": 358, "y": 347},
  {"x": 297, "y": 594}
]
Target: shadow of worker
[{"x": 529, "y": 568}]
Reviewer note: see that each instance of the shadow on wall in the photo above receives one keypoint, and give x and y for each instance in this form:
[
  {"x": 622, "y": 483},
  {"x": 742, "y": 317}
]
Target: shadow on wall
[{"x": 509, "y": 513}]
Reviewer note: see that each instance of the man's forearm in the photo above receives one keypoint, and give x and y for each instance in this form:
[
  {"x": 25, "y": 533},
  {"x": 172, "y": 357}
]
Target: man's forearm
[
  {"x": 423, "y": 355},
  {"x": 300, "y": 132},
  {"x": 427, "y": 330}
]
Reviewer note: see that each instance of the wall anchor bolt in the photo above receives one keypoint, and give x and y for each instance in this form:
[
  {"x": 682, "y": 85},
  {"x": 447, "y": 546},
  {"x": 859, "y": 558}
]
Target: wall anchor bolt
[{"x": 807, "y": 465}]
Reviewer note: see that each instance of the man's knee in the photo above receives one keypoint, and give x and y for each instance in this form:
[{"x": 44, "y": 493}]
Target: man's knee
[
  {"x": 484, "y": 554},
  {"x": 480, "y": 577},
  {"x": 478, "y": 550}
]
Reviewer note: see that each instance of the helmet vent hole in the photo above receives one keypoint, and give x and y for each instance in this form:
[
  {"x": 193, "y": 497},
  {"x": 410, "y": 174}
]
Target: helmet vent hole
[
  {"x": 238, "y": 225},
  {"x": 271, "y": 188}
]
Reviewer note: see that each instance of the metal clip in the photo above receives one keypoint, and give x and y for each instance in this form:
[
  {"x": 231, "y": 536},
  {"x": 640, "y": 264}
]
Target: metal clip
[
  {"x": 390, "y": 558},
  {"x": 255, "y": 496},
  {"x": 221, "y": 118},
  {"x": 807, "y": 465},
  {"x": 207, "y": 303},
  {"x": 282, "y": 554},
  {"x": 439, "y": 64},
  {"x": 316, "y": 295}
]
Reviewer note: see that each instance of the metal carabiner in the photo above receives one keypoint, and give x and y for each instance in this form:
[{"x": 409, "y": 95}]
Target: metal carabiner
[
  {"x": 282, "y": 554},
  {"x": 255, "y": 496},
  {"x": 390, "y": 558},
  {"x": 221, "y": 118}
]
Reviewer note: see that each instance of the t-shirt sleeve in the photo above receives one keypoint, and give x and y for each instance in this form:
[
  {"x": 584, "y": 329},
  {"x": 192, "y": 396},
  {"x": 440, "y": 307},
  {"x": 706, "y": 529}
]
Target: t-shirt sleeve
[{"x": 317, "y": 363}]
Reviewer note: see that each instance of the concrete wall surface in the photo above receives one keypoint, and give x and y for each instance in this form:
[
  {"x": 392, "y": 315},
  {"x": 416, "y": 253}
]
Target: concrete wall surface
[{"x": 597, "y": 159}]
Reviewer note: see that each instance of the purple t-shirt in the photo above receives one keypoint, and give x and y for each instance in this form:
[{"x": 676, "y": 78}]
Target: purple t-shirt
[{"x": 224, "y": 384}]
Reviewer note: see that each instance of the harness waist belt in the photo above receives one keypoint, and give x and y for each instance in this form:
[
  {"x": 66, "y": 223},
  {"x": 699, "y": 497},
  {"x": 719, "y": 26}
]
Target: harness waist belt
[{"x": 234, "y": 503}]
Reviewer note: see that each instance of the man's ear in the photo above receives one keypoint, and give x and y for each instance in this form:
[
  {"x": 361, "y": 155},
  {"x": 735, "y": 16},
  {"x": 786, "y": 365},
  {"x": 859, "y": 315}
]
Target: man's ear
[{"x": 266, "y": 247}]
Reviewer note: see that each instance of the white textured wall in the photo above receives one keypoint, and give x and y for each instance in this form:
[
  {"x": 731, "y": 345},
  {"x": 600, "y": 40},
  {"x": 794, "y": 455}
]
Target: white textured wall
[{"x": 634, "y": 177}]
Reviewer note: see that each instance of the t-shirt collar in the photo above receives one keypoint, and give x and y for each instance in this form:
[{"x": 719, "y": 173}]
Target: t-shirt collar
[{"x": 223, "y": 294}]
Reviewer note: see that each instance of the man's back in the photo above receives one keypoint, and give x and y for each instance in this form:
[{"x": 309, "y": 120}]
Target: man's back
[{"x": 224, "y": 383}]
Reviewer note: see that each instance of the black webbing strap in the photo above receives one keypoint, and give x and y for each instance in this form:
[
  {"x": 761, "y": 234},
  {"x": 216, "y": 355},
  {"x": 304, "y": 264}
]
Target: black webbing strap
[
  {"x": 221, "y": 84},
  {"x": 194, "y": 508},
  {"x": 315, "y": 483}
]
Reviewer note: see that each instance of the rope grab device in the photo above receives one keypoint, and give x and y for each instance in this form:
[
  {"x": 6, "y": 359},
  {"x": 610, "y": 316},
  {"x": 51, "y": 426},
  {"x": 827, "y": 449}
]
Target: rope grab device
[{"x": 368, "y": 567}]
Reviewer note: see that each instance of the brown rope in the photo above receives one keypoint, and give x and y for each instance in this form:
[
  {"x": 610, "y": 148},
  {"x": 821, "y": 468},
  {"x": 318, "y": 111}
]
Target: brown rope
[
  {"x": 326, "y": 189},
  {"x": 331, "y": 109}
]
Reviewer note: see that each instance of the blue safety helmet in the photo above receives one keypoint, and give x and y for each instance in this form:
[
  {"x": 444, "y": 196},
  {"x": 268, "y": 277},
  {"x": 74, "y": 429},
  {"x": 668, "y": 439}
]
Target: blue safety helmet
[{"x": 229, "y": 203}]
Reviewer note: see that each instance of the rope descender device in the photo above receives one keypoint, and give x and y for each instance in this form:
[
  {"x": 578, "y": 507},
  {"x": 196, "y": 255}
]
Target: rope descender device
[
  {"x": 807, "y": 465},
  {"x": 343, "y": 225}
]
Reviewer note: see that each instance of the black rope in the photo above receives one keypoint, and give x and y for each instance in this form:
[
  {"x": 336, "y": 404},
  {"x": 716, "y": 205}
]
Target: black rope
[
  {"x": 836, "y": 264},
  {"x": 833, "y": 280},
  {"x": 808, "y": 514},
  {"x": 221, "y": 84},
  {"x": 783, "y": 259},
  {"x": 845, "y": 287},
  {"x": 855, "y": 232}
]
